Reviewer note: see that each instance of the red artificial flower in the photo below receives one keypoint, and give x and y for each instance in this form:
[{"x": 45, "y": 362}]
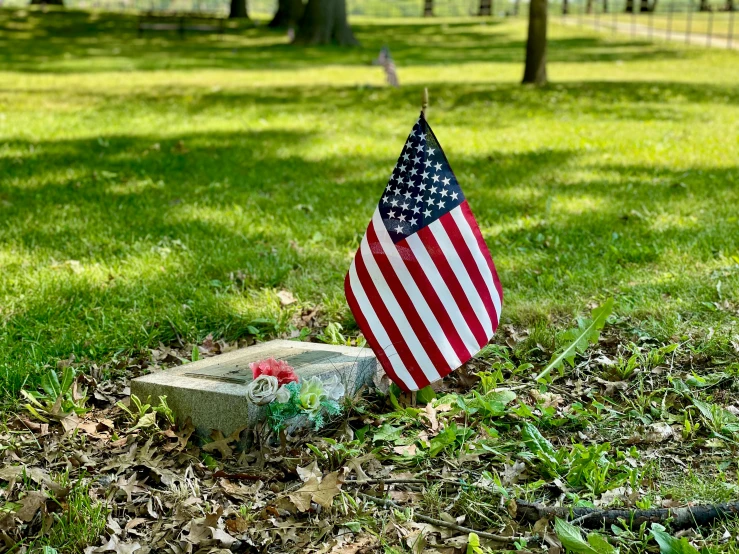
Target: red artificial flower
[{"x": 276, "y": 368}]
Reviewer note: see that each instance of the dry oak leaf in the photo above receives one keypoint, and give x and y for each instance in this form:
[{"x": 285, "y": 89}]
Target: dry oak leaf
[
  {"x": 287, "y": 530},
  {"x": 430, "y": 414},
  {"x": 406, "y": 450},
  {"x": 239, "y": 491},
  {"x": 37, "y": 475},
  {"x": 321, "y": 492},
  {"x": 237, "y": 526},
  {"x": 511, "y": 473},
  {"x": 114, "y": 545},
  {"x": 221, "y": 443},
  {"x": 654, "y": 433},
  {"x": 612, "y": 386},
  {"x": 312, "y": 470},
  {"x": 130, "y": 486},
  {"x": 355, "y": 464},
  {"x": 30, "y": 504},
  {"x": 286, "y": 297},
  {"x": 182, "y": 435}
]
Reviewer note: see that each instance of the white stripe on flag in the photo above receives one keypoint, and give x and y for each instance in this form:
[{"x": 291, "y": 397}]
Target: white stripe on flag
[
  {"x": 414, "y": 293},
  {"x": 405, "y": 328},
  {"x": 378, "y": 330},
  {"x": 460, "y": 271},
  {"x": 482, "y": 264},
  {"x": 437, "y": 281}
]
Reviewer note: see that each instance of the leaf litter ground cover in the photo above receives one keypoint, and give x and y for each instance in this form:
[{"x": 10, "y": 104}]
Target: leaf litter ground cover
[{"x": 637, "y": 426}]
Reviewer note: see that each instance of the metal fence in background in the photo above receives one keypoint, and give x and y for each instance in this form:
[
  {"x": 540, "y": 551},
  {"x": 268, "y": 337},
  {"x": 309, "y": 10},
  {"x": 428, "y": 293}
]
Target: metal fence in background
[
  {"x": 711, "y": 23},
  {"x": 706, "y": 22}
]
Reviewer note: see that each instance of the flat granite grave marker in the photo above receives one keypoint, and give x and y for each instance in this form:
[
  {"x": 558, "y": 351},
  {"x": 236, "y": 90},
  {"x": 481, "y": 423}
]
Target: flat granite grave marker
[{"x": 212, "y": 391}]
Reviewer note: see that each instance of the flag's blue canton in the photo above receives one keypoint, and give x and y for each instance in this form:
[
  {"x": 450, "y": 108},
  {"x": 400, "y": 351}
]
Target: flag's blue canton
[{"x": 422, "y": 187}]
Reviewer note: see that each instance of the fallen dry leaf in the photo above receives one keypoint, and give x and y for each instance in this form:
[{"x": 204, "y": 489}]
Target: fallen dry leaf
[
  {"x": 355, "y": 465},
  {"x": 30, "y": 504},
  {"x": 321, "y": 492},
  {"x": 114, "y": 545},
  {"x": 312, "y": 470},
  {"x": 221, "y": 443},
  {"x": 401, "y": 497},
  {"x": 135, "y": 523},
  {"x": 612, "y": 386},
  {"x": 511, "y": 473},
  {"x": 286, "y": 297},
  {"x": 360, "y": 545},
  {"x": 654, "y": 433},
  {"x": 406, "y": 450},
  {"x": 430, "y": 414}
]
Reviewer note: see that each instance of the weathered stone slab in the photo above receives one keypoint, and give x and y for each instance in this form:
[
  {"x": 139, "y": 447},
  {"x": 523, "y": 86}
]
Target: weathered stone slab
[{"x": 212, "y": 392}]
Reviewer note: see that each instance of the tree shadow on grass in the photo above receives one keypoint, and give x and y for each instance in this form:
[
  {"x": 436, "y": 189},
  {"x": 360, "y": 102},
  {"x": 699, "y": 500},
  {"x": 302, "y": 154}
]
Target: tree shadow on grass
[
  {"x": 126, "y": 189},
  {"x": 82, "y": 42},
  {"x": 460, "y": 105}
]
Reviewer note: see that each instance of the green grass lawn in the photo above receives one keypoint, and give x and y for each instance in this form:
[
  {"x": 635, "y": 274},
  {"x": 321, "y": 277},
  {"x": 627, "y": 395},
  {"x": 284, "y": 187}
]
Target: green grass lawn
[{"x": 154, "y": 188}]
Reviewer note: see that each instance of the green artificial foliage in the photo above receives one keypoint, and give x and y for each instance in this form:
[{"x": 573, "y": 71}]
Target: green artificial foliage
[{"x": 279, "y": 413}]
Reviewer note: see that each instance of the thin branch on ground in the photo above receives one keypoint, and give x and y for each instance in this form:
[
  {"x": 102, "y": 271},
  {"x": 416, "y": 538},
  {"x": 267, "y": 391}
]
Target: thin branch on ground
[
  {"x": 679, "y": 518},
  {"x": 438, "y": 522}
]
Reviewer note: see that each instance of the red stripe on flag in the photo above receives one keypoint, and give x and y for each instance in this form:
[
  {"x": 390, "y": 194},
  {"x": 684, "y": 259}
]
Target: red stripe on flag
[
  {"x": 367, "y": 331},
  {"x": 434, "y": 302},
  {"x": 447, "y": 273},
  {"x": 406, "y": 305},
  {"x": 455, "y": 235},
  {"x": 389, "y": 324},
  {"x": 483, "y": 247}
]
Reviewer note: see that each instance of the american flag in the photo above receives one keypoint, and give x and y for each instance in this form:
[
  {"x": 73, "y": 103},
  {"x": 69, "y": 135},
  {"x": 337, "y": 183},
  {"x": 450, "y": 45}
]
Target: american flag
[{"x": 422, "y": 287}]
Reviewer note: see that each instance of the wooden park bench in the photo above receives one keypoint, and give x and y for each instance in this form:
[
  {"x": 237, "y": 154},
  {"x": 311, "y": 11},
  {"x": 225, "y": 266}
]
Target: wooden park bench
[{"x": 181, "y": 23}]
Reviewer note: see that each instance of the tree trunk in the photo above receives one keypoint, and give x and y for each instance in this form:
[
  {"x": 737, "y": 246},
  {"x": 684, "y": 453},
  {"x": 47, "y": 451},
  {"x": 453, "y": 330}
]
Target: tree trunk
[
  {"x": 428, "y": 8},
  {"x": 288, "y": 14},
  {"x": 589, "y": 6},
  {"x": 704, "y": 6},
  {"x": 516, "y": 7},
  {"x": 47, "y": 2},
  {"x": 565, "y": 7},
  {"x": 238, "y": 10},
  {"x": 535, "y": 71},
  {"x": 730, "y": 6},
  {"x": 629, "y": 6},
  {"x": 605, "y": 6},
  {"x": 325, "y": 22},
  {"x": 644, "y": 6},
  {"x": 486, "y": 7}
]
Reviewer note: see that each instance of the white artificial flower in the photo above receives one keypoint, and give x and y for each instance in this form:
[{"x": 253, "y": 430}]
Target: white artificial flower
[
  {"x": 334, "y": 388},
  {"x": 311, "y": 395},
  {"x": 283, "y": 395},
  {"x": 262, "y": 390}
]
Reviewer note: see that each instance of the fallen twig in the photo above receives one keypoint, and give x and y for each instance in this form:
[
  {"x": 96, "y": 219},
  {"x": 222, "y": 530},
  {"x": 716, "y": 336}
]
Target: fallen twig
[
  {"x": 438, "y": 522},
  {"x": 386, "y": 481},
  {"x": 679, "y": 518},
  {"x": 417, "y": 481}
]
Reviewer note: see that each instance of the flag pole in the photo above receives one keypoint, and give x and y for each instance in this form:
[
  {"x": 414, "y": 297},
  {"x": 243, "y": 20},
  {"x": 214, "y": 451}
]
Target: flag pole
[{"x": 424, "y": 105}]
